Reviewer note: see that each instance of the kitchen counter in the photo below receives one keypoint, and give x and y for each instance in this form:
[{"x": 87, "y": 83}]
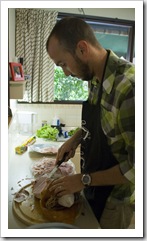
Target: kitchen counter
[{"x": 19, "y": 175}]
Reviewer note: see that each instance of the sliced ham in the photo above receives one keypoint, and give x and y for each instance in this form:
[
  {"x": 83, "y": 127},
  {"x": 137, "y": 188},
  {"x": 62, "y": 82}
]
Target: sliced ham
[
  {"x": 52, "y": 150},
  {"x": 45, "y": 165},
  {"x": 40, "y": 185},
  {"x": 42, "y": 182},
  {"x": 21, "y": 196},
  {"x": 41, "y": 191}
]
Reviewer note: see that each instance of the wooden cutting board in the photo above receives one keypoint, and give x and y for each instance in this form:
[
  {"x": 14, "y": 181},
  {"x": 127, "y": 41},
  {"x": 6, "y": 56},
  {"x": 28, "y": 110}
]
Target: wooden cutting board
[{"x": 29, "y": 211}]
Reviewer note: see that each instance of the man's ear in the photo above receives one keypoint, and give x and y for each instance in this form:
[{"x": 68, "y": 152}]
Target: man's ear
[{"x": 82, "y": 48}]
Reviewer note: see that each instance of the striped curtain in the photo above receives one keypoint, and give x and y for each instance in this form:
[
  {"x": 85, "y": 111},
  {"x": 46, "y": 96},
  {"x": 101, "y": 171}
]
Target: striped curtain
[{"x": 32, "y": 30}]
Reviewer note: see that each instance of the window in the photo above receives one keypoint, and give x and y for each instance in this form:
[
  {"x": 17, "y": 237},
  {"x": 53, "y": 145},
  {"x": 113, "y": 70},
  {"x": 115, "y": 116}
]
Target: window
[
  {"x": 114, "y": 37},
  {"x": 69, "y": 88}
]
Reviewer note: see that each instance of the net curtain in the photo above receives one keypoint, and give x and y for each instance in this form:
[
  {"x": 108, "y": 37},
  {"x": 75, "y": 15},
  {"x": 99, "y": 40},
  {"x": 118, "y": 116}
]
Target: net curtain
[{"x": 32, "y": 30}]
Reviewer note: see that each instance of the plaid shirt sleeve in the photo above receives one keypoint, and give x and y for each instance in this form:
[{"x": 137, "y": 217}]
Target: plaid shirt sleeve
[
  {"x": 118, "y": 118},
  {"x": 126, "y": 125}
]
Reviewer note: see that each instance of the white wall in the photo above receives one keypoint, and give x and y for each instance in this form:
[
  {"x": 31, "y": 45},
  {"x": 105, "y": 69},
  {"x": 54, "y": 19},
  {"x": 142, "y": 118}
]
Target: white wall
[
  {"x": 121, "y": 13},
  {"x": 11, "y": 34},
  {"x": 68, "y": 114}
]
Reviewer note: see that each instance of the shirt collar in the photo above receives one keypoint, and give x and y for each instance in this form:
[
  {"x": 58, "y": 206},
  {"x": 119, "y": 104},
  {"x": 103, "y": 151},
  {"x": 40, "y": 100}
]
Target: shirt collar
[{"x": 110, "y": 71}]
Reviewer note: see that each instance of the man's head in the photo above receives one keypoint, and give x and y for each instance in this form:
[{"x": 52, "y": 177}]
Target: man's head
[
  {"x": 69, "y": 31},
  {"x": 68, "y": 46}
]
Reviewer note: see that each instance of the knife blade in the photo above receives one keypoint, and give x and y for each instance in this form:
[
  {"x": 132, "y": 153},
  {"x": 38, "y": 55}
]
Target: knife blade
[{"x": 56, "y": 167}]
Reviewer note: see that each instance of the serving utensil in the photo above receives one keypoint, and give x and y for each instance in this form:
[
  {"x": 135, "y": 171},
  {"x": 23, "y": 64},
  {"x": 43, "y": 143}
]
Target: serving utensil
[{"x": 57, "y": 165}]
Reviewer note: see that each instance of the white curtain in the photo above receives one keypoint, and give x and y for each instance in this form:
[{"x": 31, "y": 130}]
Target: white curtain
[{"x": 32, "y": 30}]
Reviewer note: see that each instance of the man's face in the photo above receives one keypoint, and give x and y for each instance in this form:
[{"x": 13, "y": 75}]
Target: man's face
[
  {"x": 71, "y": 65},
  {"x": 84, "y": 69}
]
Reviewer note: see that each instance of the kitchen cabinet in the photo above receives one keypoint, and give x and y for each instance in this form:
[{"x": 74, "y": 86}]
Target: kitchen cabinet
[
  {"x": 20, "y": 174},
  {"x": 17, "y": 89}
]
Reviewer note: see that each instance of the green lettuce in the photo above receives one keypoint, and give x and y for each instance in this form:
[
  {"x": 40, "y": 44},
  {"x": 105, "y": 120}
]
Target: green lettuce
[{"x": 48, "y": 132}]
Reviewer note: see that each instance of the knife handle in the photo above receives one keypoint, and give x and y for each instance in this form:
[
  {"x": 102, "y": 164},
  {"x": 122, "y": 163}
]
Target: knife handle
[{"x": 63, "y": 159}]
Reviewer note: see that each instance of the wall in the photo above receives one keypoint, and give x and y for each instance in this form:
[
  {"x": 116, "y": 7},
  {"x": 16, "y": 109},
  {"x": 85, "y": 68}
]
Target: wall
[
  {"x": 69, "y": 114},
  {"x": 11, "y": 34},
  {"x": 121, "y": 13}
]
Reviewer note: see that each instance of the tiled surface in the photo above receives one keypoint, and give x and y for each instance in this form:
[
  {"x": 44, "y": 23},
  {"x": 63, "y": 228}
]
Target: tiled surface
[{"x": 68, "y": 114}]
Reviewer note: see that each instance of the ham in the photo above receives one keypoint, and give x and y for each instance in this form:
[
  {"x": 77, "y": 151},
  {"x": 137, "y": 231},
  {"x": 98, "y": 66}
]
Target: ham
[
  {"x": 40, "y": 185},
  {"x": 45, "y": 165},
  {"x": 41, "y": 189},
  {"x": 42, "y": 182},
  {"x": 51, "y": 150}
]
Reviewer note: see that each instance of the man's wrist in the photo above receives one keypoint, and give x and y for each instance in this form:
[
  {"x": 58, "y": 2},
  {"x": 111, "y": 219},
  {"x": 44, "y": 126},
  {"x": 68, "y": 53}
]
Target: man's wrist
[
  {"x": 86, "y": 179},
  {"x": 77, "y": 137}
]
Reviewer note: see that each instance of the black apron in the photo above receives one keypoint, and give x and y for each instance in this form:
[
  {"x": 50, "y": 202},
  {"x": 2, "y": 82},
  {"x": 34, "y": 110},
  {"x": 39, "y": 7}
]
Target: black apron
[{"x": 95, "y": 154}]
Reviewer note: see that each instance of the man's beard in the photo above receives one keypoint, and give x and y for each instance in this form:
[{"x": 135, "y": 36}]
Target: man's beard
[{"x": 84, "y": 70}]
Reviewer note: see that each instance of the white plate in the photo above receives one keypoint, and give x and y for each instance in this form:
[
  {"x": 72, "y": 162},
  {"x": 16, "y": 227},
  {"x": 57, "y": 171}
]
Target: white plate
[{"x": 45, "y": 148}]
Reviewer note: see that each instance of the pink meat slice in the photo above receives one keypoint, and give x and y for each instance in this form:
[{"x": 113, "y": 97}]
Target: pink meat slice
[
  {"x": 47, "y": 164},
  {"x": 39, "y": 185}
]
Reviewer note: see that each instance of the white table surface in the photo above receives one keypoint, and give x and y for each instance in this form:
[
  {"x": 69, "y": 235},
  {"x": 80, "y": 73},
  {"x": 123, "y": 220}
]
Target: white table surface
[{"x": 19, "y": 174}]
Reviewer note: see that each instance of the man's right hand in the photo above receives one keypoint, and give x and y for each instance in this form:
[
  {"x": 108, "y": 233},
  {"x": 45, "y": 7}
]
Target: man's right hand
[{"x": 69, "y": 146}]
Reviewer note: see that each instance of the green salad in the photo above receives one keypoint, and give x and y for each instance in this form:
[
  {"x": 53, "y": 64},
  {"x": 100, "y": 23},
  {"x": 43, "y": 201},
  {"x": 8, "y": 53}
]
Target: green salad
[{"x": 48, "y": 132}]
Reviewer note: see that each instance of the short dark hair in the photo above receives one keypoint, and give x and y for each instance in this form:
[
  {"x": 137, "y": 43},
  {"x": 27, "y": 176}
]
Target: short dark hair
[{"x": 70, "y": 30}]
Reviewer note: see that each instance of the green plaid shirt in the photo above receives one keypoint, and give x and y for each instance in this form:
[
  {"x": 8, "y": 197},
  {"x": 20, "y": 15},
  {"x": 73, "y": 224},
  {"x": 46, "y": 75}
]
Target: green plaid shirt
[{"x": 118, "y": 118}]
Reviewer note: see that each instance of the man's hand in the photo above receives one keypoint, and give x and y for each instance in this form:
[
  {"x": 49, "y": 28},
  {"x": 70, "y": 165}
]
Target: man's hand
[
  {"x": 67, "y": 185},
  {"x": 69, "y": 147}
]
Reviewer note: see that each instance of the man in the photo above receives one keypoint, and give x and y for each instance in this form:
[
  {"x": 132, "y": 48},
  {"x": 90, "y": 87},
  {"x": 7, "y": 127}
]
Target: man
[{"x": 108, "y": 123}]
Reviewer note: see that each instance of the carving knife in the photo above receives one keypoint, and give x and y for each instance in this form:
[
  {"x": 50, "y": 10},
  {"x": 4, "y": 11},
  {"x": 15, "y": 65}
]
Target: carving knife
[{"x": 56, "y": 167}]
